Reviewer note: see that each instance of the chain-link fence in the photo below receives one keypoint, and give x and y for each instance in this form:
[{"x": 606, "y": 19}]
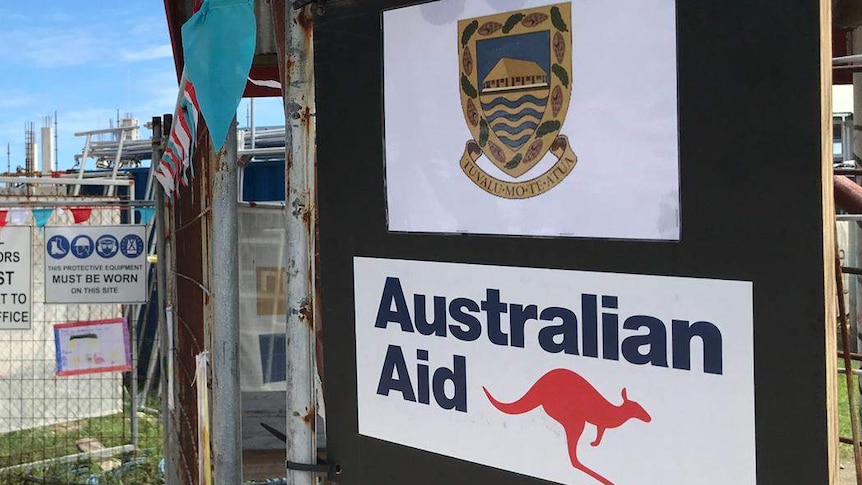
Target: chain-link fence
[{"x": 75, "y": 429}]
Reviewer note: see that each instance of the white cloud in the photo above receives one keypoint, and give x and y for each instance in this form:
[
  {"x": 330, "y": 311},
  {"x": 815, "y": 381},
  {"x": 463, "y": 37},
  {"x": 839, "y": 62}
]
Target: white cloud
[
  {"x": 53, "y": 48},
  {"x": 67, "y": 42},
  {"x": 155, "y": 92},
  {"x": 148, "y": 53},
  {"x": 87, "y": 119},
  {"x": 9, "y": 101}
]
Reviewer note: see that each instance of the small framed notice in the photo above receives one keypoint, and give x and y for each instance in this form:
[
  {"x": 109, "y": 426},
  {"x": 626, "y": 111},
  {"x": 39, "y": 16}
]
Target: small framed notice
[{"x": 92, "y": 347}]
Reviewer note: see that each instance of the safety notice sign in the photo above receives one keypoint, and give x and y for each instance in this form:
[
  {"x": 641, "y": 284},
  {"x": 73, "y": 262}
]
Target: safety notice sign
[
  {"x": 95, "y": 264},
  {"x": 15, "y": 278}
]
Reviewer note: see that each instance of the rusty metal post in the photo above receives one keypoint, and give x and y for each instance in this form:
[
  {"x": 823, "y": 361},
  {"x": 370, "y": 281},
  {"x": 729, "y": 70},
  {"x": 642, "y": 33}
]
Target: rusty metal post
[
  {"x": 852, "y": 388},
  {"x": 170, "y": 439},
  {"x": 857, "y": 99},
  {"x": 226, "y": 410},
  {"x": 855, "y": 228},
  {"x": 300, "y": 184}
]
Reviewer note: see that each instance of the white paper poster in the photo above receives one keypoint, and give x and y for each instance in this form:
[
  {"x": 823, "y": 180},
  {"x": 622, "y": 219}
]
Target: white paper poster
[
  {"x": 528, "y": 117},
  {"x": 16, "y": 278},
  {"x": 569, "y": 376},
  {"x": 95, "y": 264},
  {"x": 92, "y": 347}
]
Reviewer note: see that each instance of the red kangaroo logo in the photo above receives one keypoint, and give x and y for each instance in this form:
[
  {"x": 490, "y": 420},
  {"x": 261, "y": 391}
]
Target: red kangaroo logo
[{"x": 572, "y": 401}]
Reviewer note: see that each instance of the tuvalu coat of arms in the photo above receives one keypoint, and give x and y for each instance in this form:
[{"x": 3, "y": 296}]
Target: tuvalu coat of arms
[{"x": 515, "y": 86}]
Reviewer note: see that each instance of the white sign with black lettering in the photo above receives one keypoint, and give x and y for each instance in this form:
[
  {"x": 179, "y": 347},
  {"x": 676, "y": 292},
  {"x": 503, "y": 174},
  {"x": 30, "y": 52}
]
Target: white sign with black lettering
[
  {"x": 15, "y": 277},
  {"x": 95, "y": 264},
  {"x": 575, "y": 377}
]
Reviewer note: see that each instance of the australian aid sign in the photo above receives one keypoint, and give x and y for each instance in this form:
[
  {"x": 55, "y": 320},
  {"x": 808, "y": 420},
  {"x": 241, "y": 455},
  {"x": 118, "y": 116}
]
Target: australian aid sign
[{"x": 568, "y": 376}]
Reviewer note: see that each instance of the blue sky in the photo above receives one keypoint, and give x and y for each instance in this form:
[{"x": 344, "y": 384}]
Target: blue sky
[{"x": 86, "y": 60}]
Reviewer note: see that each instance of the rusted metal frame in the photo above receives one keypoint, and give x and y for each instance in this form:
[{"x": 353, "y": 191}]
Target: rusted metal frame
[
  {"x": 852, "y": 389},
  {"x": 848, "y": 195},
  {"x": 180, "y": 458},
  {"x": 190, "y": 252},
  {"x": 226, "y": 405},
  {"x": 195, "y": 219},
  {"x": 180, "y": 418},
  {"x": 175, "y": 19},
  {"x": 262, "y": 73},
  {"x": 170, "y": 434},
  {"x": 199, "y": 347},
  {"x": 185, "y": 379},
  {"x": 853, "y": 356},
  {"x": 189, "y": 464},
  {"x": 300, "y": 198},
  {"x": 192, "y": 280},
  {"x": 133, "y": 348}
]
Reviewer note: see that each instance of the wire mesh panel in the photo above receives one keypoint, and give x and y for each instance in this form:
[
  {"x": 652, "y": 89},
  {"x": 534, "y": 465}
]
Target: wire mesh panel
[{"x": 72, "y": 428}]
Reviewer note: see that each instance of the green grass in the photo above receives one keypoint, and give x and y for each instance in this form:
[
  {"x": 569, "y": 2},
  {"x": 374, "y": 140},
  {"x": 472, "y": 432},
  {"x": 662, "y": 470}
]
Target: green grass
[
  {"x": 27, "y": 446},
  {"x": 845, "y": 450},
  {"x": 37, "y": 444}
]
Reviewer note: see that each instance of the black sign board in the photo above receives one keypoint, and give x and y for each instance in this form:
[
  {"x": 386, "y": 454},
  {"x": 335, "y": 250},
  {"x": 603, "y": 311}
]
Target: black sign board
[{"x": 475, "y": 289}]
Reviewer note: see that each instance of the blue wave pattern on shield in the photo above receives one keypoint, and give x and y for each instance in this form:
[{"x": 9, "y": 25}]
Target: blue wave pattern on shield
[
  {"x": 526, "y": 125},
  {"x": 513, "y": 83},
  {"x": 516, "y": 104},
  {"x": 519, "y": 118},
  {"x": 514, "y": 117}
]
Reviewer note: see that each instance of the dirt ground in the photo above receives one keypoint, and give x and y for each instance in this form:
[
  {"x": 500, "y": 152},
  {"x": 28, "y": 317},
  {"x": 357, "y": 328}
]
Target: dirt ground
[{"x": 846, "y": 475}]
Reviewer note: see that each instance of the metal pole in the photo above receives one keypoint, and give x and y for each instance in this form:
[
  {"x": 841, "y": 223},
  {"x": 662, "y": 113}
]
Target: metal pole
[
  {"x": 852, "y": 388},
  {"x": 847, "y": 59},
  {"x": 226, "y": 411},
  {"x": 856, "y": 228},
  {"x": 56, "y": 145},
  {"x": 300, "y": 181},
  {"x": 251, "y": 122},
  {"x": 66, "y": 181},
  {"x": 133, "y": 331},
  {"x": 83, "y": 166},
  {"x": 170, "y": 442},
  {"x": 133, "y": 392},
  {"x": 117, "y": 160},
  {"x": 857, "y": 101}
]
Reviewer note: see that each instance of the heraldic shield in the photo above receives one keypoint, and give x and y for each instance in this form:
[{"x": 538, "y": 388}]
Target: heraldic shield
[{"x": 515, "y": 87}]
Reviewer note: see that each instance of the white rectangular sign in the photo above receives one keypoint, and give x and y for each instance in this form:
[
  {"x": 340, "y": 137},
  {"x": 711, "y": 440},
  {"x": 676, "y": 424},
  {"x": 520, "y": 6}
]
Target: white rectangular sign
[
  {"x": 569, "y": 376},
  {"x": 92, "y": 347},
  {"x": 95, "y": 264},
  {"x": 532, "y": 117},
  {"x": 16, "y": 277}
]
